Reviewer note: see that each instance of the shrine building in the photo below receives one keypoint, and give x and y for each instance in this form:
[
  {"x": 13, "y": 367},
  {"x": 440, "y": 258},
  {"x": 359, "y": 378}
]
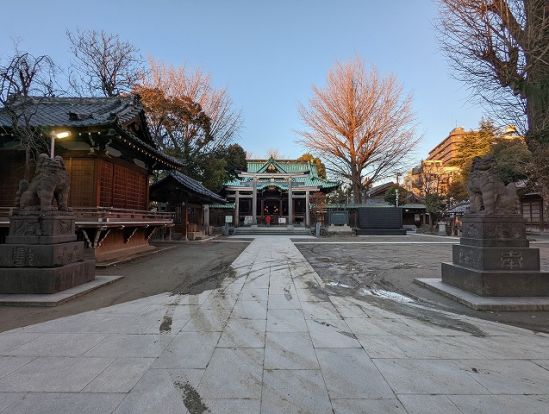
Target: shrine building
[
  {"x": 275, "y": 192},
  {"x": 109, "y": 155}
]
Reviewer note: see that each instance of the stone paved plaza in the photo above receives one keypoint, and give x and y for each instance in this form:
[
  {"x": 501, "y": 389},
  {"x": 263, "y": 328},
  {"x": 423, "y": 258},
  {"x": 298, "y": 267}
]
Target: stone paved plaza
[{"x": 273, "y": 339}]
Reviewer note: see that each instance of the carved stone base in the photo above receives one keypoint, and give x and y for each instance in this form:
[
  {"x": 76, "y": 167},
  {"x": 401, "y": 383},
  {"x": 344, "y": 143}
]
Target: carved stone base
[
  {"x": 39, "y": 229},
  {"x": 494, "y": 259},
  {"x": 504, "y": 283},
  {"x": 40, "y": 255},
  {"x": 46, "y": 280},
  {"x": 493, "y": 231}
]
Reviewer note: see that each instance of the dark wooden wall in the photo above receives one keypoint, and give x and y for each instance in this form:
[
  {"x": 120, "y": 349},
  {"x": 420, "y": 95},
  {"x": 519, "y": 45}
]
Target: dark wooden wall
[
  {"x": 12, "y": 170},
  {"x": 94, "y": 182}
]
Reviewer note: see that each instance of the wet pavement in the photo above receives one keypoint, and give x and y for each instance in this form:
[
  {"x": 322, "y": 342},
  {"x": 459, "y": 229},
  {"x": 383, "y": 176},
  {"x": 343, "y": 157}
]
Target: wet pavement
[{"x": 274, "y": 338}]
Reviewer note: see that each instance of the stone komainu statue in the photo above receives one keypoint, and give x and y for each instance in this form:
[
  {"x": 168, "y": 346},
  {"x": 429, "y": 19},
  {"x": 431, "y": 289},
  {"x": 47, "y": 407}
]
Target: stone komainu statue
[
  {"x": 488, "y": 194},
  {"x": 50, "y": 182}
]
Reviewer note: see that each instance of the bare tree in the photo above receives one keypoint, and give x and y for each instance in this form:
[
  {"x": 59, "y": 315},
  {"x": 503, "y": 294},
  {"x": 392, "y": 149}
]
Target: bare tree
[
  {"x": 501, "y": 48},
  {"x": 181, "y": 83},
  {"x": 361, "y": 125},
  {"x": 103, "y": 63},
  {"x": 24, "y": 81},
  {"x": 275, "y": 154}
]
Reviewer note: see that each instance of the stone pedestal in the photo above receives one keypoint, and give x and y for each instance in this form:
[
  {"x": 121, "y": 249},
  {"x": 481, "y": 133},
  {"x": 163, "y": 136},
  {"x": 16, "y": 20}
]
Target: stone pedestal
[
  {"x": 42, "y": 255},
  {"x": 494, "y": 259}
]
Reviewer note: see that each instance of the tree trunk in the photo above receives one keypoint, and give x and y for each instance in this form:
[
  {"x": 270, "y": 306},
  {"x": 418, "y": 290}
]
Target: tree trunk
[
  {"x": 357, "y": 185},
  {"x": 537, "y": 105}
]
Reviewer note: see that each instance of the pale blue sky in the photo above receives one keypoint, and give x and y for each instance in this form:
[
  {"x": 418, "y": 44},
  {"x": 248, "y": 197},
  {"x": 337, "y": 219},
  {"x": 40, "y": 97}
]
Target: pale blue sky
[{"x": 268, "y": 54}]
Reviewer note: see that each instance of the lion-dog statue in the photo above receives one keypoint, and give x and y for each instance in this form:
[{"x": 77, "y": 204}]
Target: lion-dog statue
[
  {"x": 50, "y": 183},
  {"x": 488, "y": 194}
]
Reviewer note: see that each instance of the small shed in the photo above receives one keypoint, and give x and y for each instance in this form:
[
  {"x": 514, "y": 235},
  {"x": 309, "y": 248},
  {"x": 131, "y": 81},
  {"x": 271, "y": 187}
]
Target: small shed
[{"x": 189, "y": 200}]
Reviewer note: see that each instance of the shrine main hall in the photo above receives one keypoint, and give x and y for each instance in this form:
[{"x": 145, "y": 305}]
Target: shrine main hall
[{"x": 275, "y": 192}]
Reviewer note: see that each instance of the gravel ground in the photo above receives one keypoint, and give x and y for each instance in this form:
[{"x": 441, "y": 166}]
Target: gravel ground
[
  {"x": 391, "y": 263},
  {"x": 186, "y": 268}
]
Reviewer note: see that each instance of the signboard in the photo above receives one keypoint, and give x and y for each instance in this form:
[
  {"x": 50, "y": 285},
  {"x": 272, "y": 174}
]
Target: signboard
[
  {"x": 228, "y": 219},
  {"x": 282, "y": 220}
]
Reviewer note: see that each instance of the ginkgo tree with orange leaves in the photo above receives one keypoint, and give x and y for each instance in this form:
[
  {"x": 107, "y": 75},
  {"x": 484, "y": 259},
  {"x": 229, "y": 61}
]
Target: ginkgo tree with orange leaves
[{"x": 361, "y": 124}]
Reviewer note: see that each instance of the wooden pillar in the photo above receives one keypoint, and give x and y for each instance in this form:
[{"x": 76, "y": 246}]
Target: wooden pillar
[
  {"x": 290, "y": 203},
  {"x": 254, "y": 200},
  {"x": 236, "y": 208},
  {"x": 206, "y": 221},
  {"x": 185, "y": 218},
  {"x": 307, "y": 213}
]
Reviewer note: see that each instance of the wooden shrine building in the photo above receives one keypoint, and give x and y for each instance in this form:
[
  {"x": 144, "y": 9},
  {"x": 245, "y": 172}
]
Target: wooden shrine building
[
  {"x": 190, "y": 201},
  {"x": 109, "y": 155},
  {"x": 275, "y": 192}
]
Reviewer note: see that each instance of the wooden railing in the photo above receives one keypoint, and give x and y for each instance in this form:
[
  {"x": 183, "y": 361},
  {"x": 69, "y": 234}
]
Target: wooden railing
[
  {"x": 120, "y": 216},
  {"x": 108, "y": 216}
]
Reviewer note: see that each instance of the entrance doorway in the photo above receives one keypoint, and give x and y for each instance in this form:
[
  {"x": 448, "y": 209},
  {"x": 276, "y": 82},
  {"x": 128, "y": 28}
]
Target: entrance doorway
[{"x": 272, "y": 207}]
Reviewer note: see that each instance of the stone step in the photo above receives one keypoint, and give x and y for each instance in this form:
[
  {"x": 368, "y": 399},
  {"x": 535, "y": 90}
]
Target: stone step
[{"x": 271, "y": 231}]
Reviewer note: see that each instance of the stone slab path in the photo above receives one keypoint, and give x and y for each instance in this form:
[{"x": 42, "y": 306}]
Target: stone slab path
[{"x": 271, "y": 340}]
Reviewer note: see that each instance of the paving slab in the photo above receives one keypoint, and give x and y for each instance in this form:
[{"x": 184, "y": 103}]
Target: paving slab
[
  {"x": 495, "y": 404},
  {"x": 156, "y": 392},
  {"x": 350, "y": 373},
  {"x": 58, "y": 345},
  {"x": 243, "y": 333},
  {"x": 55, "y": 403},
  {"x": 365, "y": 406},
  {"x": 428, "y": 404},
  {"x": 428, "y": 376},
  {"x": 233, "y": 373},
  {"x": 294, "y": 391},
  {"x": 54, "y": 374},
  {"x": 333, "y": 333},
  {"x": 286, "y": 320},
  {"x": 121, "y": 376},
  {"x": 290, "y": 350},
  {"x": 8, "y": 364},
  {"x": 233, "y": 406},
  {"x": 188, "y": 350}
]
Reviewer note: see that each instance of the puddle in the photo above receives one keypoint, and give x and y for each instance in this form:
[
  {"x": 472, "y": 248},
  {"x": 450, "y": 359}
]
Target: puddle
[
  {"x": 381, "y": 293},
  {"x": 191, "y": 398},
  {"x": 338, "y": 284}
]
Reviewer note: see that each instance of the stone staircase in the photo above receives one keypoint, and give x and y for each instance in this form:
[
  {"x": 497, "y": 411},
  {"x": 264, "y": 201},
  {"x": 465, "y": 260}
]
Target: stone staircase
[{"x": 272, "y": 230}]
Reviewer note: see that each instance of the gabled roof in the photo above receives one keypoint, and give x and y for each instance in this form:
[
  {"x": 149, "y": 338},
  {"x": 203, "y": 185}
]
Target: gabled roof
[
  {"x": 309, "y": 179},
  {"x": 379, "y": 190},
  {"x": 88, "y": 113},
  {"x": 272, "y": 166},
  {"x": 190, "y": 185},
  {"x": 74, "y": 112},
  {"x": 285, "y": 166}
]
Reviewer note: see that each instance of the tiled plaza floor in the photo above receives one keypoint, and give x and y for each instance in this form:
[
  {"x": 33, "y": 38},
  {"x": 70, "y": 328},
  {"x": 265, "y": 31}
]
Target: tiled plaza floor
[{"x": 270, "y": 341}]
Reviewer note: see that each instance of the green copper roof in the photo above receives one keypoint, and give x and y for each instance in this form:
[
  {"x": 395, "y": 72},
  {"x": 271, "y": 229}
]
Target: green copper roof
[{"x": 276, "y": 167}]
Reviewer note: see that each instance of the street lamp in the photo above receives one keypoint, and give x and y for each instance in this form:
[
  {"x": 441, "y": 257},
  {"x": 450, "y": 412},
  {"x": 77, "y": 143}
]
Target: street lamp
[{"x": 58, "y": 135}]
